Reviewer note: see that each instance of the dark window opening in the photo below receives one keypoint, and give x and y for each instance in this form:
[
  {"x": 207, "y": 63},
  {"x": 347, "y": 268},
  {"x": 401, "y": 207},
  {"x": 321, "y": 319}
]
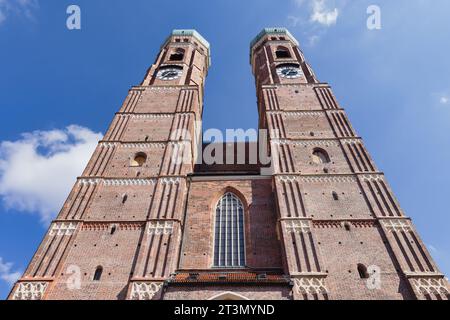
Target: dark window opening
[
  {"x": 362, "y": 270},
  {"x": 282, "y": 52},
  {"x": 320, "y": 156},
  {"x": 139, "y": 159},
  {"x": 98, "y": 273},
  {"x": 335, "y": 195},
  {"x": 113, "y": 230},
  {"x": 178, "y": 55}
]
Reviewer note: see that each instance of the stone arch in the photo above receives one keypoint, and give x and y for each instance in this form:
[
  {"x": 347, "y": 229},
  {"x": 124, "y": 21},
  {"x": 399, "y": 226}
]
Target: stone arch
[
  {"x": 228, "y": 295},
  {"x": 216, "y": 197},
  {"x": 320, "y": 156}
]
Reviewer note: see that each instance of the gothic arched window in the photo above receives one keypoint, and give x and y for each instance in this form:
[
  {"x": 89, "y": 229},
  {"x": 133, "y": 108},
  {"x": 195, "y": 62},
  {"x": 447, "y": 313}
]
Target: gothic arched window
[
  {"x": 282, "y": 52},
  {"x": 229, "y": 242},
  {"x": 320, "y": 156}
]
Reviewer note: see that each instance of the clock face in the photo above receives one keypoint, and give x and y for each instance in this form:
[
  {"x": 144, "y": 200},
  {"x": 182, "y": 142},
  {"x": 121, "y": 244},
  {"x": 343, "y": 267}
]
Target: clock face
[
  {"x": 169, "y": 73},
  {"x": 289, "y": 72}
]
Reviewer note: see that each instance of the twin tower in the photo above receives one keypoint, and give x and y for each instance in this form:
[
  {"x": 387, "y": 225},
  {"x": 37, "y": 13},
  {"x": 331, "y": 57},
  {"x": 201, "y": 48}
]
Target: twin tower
[{"x": 140, "y": 225}]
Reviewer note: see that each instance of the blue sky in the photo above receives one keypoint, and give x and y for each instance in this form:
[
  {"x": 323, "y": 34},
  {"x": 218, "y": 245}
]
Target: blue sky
[{"x": 60, "y": 89}]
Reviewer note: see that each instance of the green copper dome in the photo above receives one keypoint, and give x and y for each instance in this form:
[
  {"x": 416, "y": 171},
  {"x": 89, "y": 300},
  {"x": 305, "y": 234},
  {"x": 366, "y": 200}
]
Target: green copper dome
[
  {"x": 191, "y": 32},
  {"x": 277, "y": 31}
]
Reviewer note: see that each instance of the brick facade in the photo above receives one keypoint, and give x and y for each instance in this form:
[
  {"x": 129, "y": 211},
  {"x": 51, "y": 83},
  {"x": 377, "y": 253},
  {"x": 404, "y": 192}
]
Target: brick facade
[{"x": 140, "y": 225}]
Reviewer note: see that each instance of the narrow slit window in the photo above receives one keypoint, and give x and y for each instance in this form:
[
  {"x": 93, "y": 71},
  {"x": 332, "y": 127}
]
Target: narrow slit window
[
  {"x": 335, "y": 196},
  {"x": 362, "y": 270},
  {"x": 98, "y": 273}
]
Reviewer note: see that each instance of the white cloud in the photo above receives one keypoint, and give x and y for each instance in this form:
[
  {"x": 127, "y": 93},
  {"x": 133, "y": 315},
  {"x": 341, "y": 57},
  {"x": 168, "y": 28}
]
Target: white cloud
[
  {"x": 314, "y": 17},
  {"x": 2, "y": 16},
  {"x": 299, "y": 2},
  {"x": 293, "y": 20},
  {"x": 312, "y": 40},
  {"x": 17, "y": 7},
  {"x": 319, "y": 12},
  {"x": 6, "y": 274},
  {"x": 322, "y": 14},
  {"x": 38, "y": 171},
  {"x": 441, "y": 97}
]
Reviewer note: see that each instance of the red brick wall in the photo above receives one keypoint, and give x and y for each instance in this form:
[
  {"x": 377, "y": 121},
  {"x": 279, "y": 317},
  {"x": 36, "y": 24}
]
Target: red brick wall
[
  {"x": 342, "y": 250},
  {"x": 95, "y": 246},
  {"x": 262, "y": 245},
  {"x": 107, "y": 203}
]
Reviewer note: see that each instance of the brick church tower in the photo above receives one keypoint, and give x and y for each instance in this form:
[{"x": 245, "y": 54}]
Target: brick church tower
[{"x": 140, "y": 224}]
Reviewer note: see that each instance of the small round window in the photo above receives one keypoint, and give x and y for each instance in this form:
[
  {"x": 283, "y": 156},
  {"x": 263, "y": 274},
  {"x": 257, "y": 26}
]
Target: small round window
[{"x": 139, "y": 159}]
